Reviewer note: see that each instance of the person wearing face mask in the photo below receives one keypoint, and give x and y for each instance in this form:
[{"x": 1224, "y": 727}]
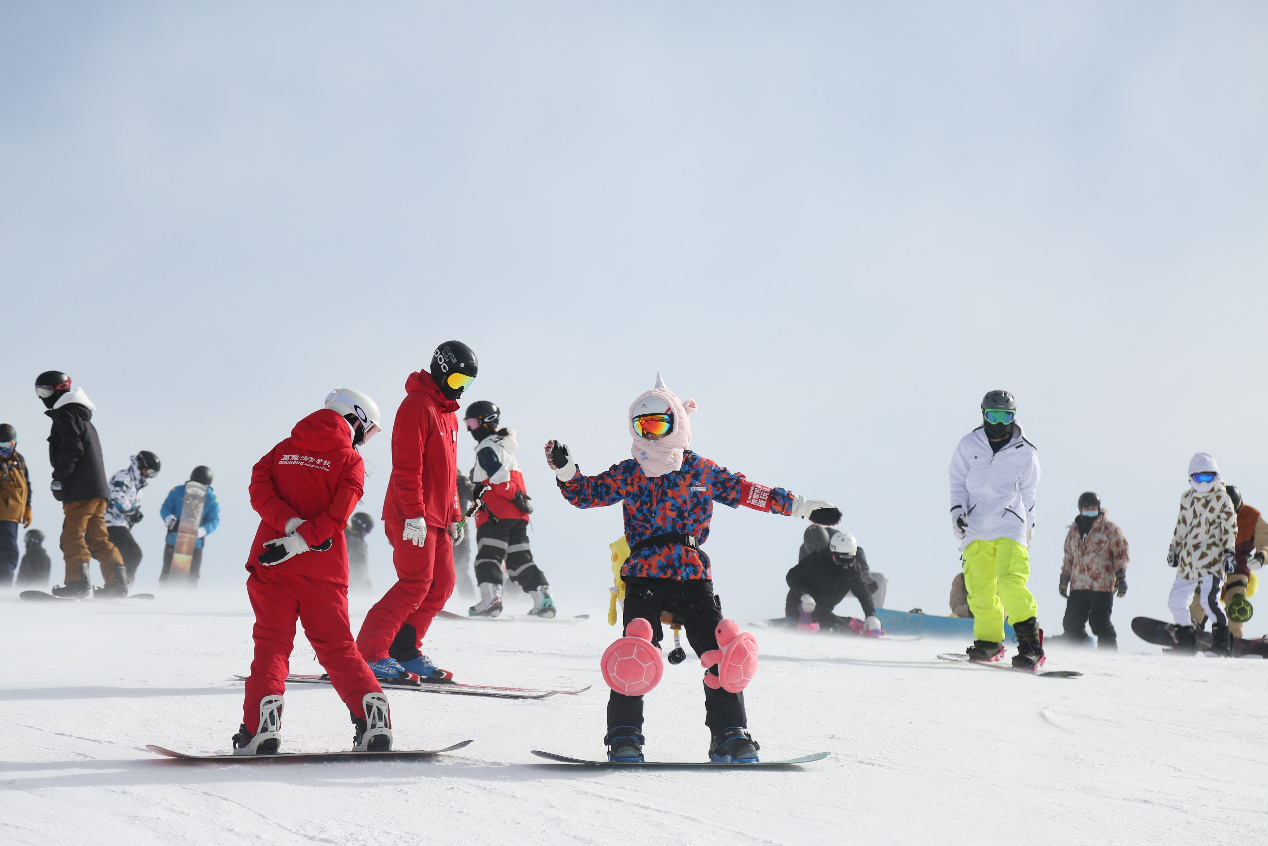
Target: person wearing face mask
[
  {"x": 994, "y": 480},
  {"x": 1252, "y": 545},
  {"x": 15, "y": 501},
  {"x": 1202, "y": 551},
  {"x": 667, "y": 494},
  {"x": 1093, "y": 569}
]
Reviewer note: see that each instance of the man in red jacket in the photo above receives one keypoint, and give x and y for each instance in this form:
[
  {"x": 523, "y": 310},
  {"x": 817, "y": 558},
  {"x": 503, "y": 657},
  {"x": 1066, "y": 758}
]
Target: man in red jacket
[
  {"x": 304, "y": 490},
  {"x": 421, "y": 518}
]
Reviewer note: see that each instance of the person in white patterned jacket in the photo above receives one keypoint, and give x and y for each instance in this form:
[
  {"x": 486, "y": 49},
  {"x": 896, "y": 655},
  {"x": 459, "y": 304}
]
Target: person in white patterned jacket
[
  {"x": 1202, "y": 551},
  {"x": 123, "y": 511}
]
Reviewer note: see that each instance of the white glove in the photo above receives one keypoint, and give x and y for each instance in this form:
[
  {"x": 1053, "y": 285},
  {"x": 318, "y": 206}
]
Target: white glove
[
  {"x": 959, "y": 523},
  {"x": 560, "y": 460},
  {"x": 202, "y": 532},
  {"x": 415, "y": 531},
  {"x": 292, "y": 544},
  {"x": 1256, "y": 561},
  {"x": 807, "y": 604},
  {"x": 816, "y": 511},
  {"x": 457, "y": 531},
  {"x": 872, "y": 625},
  {"x": 293, "y": 524},
  {"x": 171, "y": 522}
]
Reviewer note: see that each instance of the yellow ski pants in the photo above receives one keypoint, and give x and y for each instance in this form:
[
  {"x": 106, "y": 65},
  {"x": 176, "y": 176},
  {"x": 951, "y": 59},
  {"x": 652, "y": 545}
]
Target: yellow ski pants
[{"x": 995, "y": 574}]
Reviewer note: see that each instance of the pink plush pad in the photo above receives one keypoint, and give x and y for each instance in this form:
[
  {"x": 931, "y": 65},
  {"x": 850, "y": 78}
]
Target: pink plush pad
[
  {"x": 631, "y": 665},
  {"x": 736, "y": 659}
]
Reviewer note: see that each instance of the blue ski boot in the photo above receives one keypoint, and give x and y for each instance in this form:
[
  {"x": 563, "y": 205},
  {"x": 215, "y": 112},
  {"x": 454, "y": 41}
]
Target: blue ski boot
[
  {"x": 625, "y": 745},
  {"x": 733, "y": 745},
  {"x": 389, "y": 670},
  {"x": 423, "y": 667}
]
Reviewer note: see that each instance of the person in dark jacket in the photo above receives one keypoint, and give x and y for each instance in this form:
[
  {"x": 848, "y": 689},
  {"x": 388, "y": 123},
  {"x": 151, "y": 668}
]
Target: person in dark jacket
[
  {"x": 15, "y": 501},
  {"x": 79, "y": 483},
  {"x": 34, "y": 570},
  {"x": 359, "y": 528},
  {"x": 832, "y": 566}
]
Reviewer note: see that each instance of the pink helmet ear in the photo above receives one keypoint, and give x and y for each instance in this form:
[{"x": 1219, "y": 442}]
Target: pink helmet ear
[
  {"x": 639, "y": 628},
  {"x": 727, "y": 631}
]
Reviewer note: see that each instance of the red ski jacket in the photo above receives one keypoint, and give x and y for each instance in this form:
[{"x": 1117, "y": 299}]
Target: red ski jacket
[
  {"x": 316, "y": 475},
  {"x": 424, "y": 456}
]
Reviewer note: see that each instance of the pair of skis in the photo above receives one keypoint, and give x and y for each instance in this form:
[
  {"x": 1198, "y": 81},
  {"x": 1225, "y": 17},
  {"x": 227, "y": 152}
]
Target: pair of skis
[{"x": 450, "y": 687}]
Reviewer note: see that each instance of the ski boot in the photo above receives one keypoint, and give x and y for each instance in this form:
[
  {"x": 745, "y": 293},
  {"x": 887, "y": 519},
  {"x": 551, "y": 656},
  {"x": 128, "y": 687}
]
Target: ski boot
[
  {"x": 423, "y": 667},
  {"x": 374, "y": 730},
  {"x": 1185, "y": 640},
  {"x": 267, "y": 738},
  {"x": 118, "y": 589},
  {"x": 625, "y": 745},
  {"x": 733, "y": 745},
  {"x": 389, "y": 670},
  {"x": 73, "y": 590},
  {"x": 1029, "y": 645},
  {"x": 543, "y": 605},
  {"x": 985, "y": 651},
  {"x": 1221, "y": 641},
  {"x": 490, "y": 604}
]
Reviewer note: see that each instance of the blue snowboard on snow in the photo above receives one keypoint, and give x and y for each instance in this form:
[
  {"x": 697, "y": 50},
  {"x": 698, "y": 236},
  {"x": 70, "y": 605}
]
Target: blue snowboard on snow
[{"x": 929, "y": 625}]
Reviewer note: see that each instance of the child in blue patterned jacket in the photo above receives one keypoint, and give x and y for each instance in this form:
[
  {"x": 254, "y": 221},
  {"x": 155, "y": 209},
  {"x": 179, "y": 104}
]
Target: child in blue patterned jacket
[{"x": 668, "y": 493}]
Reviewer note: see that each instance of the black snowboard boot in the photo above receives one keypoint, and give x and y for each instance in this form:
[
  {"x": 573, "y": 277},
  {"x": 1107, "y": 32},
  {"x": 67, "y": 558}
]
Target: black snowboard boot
[
  {"x": 73, "y": 590},
  {"x": 1185, "y": 638},
  {"x": 985, "y": 651},
  {"x": 117, "y": 589},
  {"x": 625, "y": 745},
  {"x": 1029, "y": 645},
  {"x": 733, "y": 745},
  {"x": 1221, "y": 640}
]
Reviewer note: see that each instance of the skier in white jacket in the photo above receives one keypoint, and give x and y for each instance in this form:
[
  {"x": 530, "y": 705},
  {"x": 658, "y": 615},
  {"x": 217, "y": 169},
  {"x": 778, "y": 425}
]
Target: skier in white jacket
[{"x": 994, "y": 479}]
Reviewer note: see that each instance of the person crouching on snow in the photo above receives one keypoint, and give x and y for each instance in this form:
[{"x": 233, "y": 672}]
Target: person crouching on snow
[{"x": 667, "y": 494}]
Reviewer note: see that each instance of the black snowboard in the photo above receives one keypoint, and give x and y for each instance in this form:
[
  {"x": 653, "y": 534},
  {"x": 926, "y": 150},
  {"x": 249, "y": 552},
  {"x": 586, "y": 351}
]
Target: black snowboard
[
  {"x": 44, "y": 596},
  {"x": 1159, "y": 633},
  {"x": 961, "y": 658},
  {"x": 302, "y": 757},
  {"x": 791, "y": 763}
]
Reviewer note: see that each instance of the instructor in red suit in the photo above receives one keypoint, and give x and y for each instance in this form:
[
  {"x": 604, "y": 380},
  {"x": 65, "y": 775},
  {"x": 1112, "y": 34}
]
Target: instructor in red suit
[{"x": 421, "y": 518}]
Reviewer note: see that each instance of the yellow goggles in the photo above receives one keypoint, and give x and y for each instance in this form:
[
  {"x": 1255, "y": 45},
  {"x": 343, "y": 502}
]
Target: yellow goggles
[{"x": 458, "y": 381}]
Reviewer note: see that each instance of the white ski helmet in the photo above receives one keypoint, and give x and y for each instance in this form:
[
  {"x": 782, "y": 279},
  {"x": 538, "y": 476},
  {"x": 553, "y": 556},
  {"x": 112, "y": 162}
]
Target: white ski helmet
[
  {"x": 1203, "y": 472},
  {"x": 361, "y": 412},
  {"x": 844, "y": 544}
]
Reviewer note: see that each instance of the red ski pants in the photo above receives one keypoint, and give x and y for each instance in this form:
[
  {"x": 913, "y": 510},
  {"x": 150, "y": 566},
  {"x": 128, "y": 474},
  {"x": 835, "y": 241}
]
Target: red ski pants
[
  {"x": 425, "y": 580},
  {"x": 280, "y": 596}
]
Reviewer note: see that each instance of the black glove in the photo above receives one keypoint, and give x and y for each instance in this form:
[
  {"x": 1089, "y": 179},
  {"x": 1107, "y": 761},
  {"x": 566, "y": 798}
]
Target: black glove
[
  {"x": 1173, "y": 556},
  {"x": 271, "y": 555},
  {"x": 1064, "y": 589},
  {"x": 521, "y": 502},
  {"x": 324, "y": 546},
  {"x": 1229, "y": 561},
  {"x": 136, "y": 517},
  {"x": 1120, "y": 583},
  {"x": 557, "y": 455},
  {"x": 478, "y": 490},
  {"x": 826, "y": 516},
  {"x": 56, "y": 488}
]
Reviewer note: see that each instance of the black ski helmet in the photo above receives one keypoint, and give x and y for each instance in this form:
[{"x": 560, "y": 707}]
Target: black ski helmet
[
  {"x": 147, "y": 461},
  {"x": 1088, "y": 499},
  {"x": 201, "y": 475},
  {"x": 50, "y": 385},
  {"x": 8, "y": 433},
  {"x": 453, "y": 362},
  {"x": 1235, "y": 495},
  {"x": 999, "y": 400},
  {"x": 482, "y": 419},
  {"x": 362, "y": 523},
  {"x": 34, "y": 537}
]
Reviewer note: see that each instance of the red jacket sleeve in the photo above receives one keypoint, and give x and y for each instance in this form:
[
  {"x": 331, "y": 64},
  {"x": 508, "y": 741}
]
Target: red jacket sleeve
[
  {"x": 334, "y": 519},
  {"x": 264, "y": 497},
  {"x": 408, "y": 436}
]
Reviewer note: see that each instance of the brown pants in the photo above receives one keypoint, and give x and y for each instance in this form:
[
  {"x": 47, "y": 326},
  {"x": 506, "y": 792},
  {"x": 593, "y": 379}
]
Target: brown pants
[
  {"x": 1235, "y": 585},
  {"x": 84, "y": 538}
]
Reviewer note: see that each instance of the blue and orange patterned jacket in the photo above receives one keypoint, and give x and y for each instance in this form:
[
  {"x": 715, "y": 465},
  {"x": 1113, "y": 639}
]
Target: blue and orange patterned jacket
[{"x": 681, "y": 501}]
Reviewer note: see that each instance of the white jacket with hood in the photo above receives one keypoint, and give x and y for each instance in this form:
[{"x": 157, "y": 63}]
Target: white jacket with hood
[{"x": 995, "y": 490}]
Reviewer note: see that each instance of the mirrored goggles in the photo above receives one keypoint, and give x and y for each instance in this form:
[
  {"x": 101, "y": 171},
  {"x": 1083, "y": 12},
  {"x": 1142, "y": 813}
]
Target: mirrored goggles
[
  {"x": 458, "y": 381},
  {"x": 653, "y": 426},
  {"x": 999, "y": 416},
  {"x": 371, "y": 431},
  {"x": 44, "y": 391},
  {"x": 474, "y": 423},
  {"x": 149, "y": 472},
  {"x": 7, "y": 448},
  {"x": 1202, "y": 478}
]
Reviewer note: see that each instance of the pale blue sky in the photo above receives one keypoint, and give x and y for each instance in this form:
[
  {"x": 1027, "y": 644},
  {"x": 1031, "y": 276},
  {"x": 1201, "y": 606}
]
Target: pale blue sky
[{"x": 834, "y": 225}]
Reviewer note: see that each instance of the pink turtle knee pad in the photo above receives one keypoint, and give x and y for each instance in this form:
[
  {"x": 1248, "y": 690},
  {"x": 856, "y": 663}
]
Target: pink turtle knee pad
[
  {"x": 632, "y": 665},
  {"x": 736, "y": 657}
]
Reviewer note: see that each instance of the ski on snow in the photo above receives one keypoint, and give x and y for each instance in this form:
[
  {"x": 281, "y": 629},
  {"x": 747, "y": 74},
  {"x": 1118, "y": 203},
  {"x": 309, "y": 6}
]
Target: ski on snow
[
  {"x": 450, "y": 687},
  {"x": 45, "y": 596},
  {"x": 449, "y": 615},
  {"x": 790, "y": 763},
  {"x": 302, "y": 757},
  {"x": 961, "y": 658}
]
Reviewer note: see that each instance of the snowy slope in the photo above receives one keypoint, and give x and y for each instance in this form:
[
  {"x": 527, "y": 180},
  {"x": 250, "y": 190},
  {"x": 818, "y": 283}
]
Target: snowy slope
[{"x": 1140, "y": 750}]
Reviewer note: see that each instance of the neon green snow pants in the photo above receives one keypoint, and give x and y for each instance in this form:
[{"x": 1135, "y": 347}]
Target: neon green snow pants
[{"x": 995, "y": 574}]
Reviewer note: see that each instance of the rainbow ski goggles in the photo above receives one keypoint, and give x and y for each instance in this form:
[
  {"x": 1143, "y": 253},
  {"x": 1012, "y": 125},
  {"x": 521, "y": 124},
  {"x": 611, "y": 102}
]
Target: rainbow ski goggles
[
  {"x": 653, "y": 426},
  {"x": 999, "y": 416},
  {"x": 458, "y": 381}
]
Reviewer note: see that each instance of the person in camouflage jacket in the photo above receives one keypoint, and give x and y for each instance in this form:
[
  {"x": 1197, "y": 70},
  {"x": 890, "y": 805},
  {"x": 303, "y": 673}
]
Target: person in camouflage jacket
[
  {"x": 1093, "y": 569},
  {"x": 1202, "y": 551}
]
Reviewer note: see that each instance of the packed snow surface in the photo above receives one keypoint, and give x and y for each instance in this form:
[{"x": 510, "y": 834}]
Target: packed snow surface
[{"x": 1144, "y": 748}]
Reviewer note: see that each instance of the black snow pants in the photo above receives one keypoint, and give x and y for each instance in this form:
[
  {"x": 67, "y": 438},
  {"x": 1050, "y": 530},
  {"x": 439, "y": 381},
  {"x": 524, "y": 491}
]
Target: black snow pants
[
  {"x": 1094, "y": 607},
  {"x": 123, "y": 541},
  {"x": 506, "y": 540},
  {"x": 694, "y": 604}
]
